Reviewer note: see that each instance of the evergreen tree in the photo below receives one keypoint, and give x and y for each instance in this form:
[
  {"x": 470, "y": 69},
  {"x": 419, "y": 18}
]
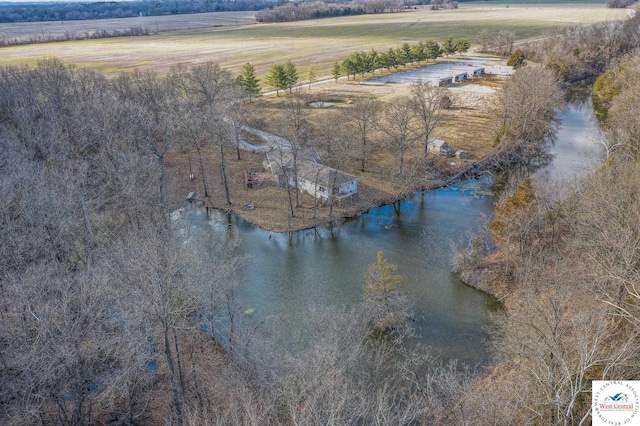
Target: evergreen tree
[
  {"x": 277, "y": 78},
  {"x": 402, "y": 57},
  {"x": 373, "y": 60},
  {"x": 392, "y": 59},
  {"x": 406, "y": 50},
  {"x": 462, "y": 45},
  {"x": 448, "y": 47},
  {"x": 433, "y": 50},
  {"x": 290, "y": 75},
  {"x": 516, "y": 59},
  {"x": 248, "y": 81},
  {"x": 418, "y": 52},
  {"x": 349, "y": 66},
  {"x": 362, "y": 62},
  {"x": 336, "y": 71}
]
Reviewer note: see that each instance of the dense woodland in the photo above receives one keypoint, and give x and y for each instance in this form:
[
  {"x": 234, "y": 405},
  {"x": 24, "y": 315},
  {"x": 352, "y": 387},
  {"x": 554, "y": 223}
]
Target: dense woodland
[
  {"x": 60, "y": 11},
  {"x": 271, "y": 10},
  {"x": 106, "y": 317},
  {"x": 268, "y": 10}
]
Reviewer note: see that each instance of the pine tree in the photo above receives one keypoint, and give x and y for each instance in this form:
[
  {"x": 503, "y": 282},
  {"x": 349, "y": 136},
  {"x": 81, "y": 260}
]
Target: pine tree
[
  {"x": 290, "y": 75},
  {"x": 462, "y": 45},
  {"x": 448, "y": 47},
  {"x": 336, "y": 71},
  {"x": 277, "y": 78},
  {"x": 433, "y": 50},
  {"x": 248, "y": 80}
]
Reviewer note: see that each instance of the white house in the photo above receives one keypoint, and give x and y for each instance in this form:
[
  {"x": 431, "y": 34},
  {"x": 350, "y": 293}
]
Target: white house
[
  {"x": 324, "y": 182},
  {"x": 314, "y": 178}
]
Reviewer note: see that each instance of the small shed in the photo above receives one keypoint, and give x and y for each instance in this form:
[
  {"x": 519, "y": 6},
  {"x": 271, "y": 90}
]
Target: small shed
[
  {"x": 441, "y": 81},
  {"x": 460, "y": 77},
  {"x": 478, "y": 72},
  {"x": 440, "y": 147}
]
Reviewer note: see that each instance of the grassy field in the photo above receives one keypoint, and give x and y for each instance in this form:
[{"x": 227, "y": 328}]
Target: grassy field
[
  {"x": 317, "y": 45},
  {"x": 308, "y": 44}
]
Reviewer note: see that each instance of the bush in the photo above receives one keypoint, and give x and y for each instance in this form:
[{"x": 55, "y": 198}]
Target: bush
[{"x": 445, "y": 102}]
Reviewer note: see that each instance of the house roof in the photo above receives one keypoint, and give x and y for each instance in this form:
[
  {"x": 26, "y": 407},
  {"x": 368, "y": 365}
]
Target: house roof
[
  {"x": 438, "y": 143},
  {"x": 323, "y": 175},
  {"x": 309, "y": 168},
  {"x": 278, "y": 159}
]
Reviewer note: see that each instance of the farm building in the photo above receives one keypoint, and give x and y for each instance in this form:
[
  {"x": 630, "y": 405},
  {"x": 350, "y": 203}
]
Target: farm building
[
  {"x": 460, "y": 76},
  {"x": 314, "y": 178},
  {"x": 440, "y": 147},
  {"x": 441, "y": 81},
  {"x": 478, "y": 72}
]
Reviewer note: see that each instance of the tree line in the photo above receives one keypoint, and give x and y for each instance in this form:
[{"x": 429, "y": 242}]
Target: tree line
[
  {"x": 39, "y": 38},
  {"x": 323, "y": 9},
  {"x": 285, "y": 76},
  {"x": 71, "y": 11},
  {"x": 369, "y": 62},
  {"x": 564, "y": 261}
]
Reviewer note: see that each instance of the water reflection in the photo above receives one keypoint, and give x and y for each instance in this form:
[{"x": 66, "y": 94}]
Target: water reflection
[{"x": 289, "y": 275}]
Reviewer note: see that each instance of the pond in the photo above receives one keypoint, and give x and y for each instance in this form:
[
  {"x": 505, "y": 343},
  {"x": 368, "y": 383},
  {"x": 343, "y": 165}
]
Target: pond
[{"x": 289, "y": 274}]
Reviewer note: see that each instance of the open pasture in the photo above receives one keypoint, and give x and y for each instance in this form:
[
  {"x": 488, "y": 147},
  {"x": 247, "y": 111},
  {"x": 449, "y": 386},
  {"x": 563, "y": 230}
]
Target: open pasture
[{"x": 315, "y": 44}]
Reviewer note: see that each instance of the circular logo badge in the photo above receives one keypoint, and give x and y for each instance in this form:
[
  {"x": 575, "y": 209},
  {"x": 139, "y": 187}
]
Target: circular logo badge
[{"x": 615, "y": 402}]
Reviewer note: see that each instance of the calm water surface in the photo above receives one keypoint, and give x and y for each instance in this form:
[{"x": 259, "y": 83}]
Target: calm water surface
[{"x": 287, "y": 275}]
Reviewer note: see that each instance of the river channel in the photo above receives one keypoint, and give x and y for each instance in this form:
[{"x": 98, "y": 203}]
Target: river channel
[{"x": 288, "y": 275}]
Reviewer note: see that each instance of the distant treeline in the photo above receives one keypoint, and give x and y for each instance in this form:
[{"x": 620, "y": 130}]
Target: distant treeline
[
  {"x": 36, "y": 12},
  {"x": 68, "y": 35},
  {"x": 320, "y": 9}
]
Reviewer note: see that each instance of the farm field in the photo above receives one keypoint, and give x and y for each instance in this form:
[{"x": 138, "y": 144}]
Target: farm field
[
  {"x": 313, "y": 44},
  {"x": 316, "y": 45},
  {"x": 26, "y": 30}
]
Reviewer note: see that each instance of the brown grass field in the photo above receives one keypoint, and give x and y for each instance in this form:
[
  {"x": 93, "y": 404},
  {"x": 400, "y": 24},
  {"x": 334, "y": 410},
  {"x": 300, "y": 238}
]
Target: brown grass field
[{"x": 313, "y": 45}]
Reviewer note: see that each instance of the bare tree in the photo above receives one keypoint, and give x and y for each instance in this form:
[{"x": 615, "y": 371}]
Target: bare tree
[
  {"x": 527, "y": 112},
  {"x": 624, "y": 127},
  {"x": 157, "y": 269},
  {"x": 400, "y": 125},
  {"x": 212, "y": 92},
  {"x": 362, "y": 116},
  {"x": 428, "y": 108},
  {"x": 333, "y": 140},
  {"x": 296, "y": 129}
]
